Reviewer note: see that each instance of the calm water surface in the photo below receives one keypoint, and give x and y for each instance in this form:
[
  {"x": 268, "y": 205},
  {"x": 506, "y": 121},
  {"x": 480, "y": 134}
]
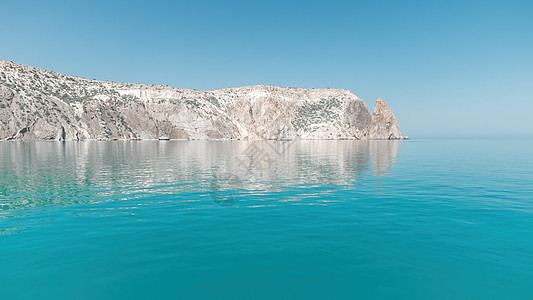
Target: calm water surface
[{"x": 430, "y": 219}]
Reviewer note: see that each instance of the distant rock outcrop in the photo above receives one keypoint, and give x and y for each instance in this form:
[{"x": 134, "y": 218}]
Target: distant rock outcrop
[
  {"x": 384, "y": 125},
  {"x": 37, "y": 104}
]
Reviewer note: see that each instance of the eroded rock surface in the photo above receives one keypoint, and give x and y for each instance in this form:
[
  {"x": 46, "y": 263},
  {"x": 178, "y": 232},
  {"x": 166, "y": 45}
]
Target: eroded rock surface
[
  {"x": 37, "y": 104},
  {"x": 384, "y": 125}
]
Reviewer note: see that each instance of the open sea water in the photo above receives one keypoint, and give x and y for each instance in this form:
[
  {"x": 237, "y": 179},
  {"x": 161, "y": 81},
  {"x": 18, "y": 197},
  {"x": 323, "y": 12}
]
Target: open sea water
[{"x": 419, "y": 219}]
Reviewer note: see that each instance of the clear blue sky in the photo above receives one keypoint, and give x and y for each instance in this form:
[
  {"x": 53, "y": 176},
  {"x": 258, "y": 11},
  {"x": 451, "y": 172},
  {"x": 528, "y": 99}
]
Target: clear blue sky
[{"x": 446, "y": 68}]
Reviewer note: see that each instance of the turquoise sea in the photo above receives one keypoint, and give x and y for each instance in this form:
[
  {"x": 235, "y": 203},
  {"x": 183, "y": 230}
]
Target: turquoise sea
[{"x": 418, "y": 219}]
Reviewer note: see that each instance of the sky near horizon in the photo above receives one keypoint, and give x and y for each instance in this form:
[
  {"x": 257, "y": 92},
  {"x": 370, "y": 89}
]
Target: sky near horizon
[{"x": 446, "y": 68}]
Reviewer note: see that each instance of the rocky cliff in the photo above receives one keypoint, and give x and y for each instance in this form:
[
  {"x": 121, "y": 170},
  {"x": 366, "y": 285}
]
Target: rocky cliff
[{"x": 37, "y": 104}]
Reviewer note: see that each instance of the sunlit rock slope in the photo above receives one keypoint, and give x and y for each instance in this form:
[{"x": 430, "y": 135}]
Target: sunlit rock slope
[{"x": 37, "y": 104}]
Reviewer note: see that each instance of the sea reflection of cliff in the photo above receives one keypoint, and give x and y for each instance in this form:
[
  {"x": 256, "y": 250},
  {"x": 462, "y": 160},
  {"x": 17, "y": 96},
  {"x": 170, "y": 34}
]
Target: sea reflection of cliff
[
  {"x": 308, "y": 162},
  {"x": 37, "y": 174},
  {"x": 270, "y": 166}
]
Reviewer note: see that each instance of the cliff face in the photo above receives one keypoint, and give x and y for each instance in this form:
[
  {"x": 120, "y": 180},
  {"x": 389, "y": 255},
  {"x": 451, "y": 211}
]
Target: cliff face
[
  {"x": 384, "y": 125},
  {"x": 37, "y": 104}
]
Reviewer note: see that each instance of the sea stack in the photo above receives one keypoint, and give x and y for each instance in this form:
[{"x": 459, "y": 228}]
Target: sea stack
[{"x": 384, "y": 125}]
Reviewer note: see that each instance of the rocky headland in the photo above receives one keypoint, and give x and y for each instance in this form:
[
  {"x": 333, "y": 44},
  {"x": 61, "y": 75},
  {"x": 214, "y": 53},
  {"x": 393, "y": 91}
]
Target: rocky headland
[{"x": 37, "y": 104}]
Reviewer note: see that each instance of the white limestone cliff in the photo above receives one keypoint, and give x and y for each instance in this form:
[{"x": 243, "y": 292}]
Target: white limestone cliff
[
  {"x": 384, "y": 125},
  {"x": 37, "y": 104}
]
